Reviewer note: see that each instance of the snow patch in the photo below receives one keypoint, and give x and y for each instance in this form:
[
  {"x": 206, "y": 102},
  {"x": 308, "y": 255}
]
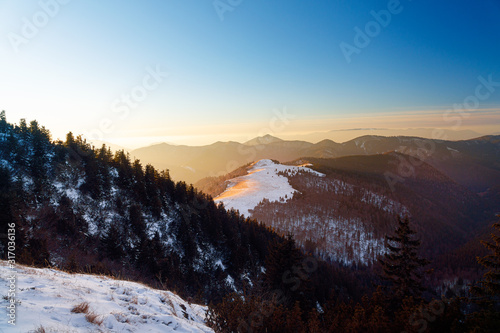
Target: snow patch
[
  {"x": 263, "y": 181},
  {"x": 219, "y": 263}
]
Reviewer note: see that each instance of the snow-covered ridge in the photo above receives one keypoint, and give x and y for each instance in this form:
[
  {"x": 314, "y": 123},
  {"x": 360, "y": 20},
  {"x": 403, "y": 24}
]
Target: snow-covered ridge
[
  {"x": 45, "y": 298},
  {"x": 263, "y": 181}
]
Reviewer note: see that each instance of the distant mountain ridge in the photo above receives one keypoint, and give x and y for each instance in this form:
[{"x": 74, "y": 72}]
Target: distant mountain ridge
[
  {"x": 263, "y": 140},
  {"x": 473, "y": 163},
  {"x": 344, "y": 135}
]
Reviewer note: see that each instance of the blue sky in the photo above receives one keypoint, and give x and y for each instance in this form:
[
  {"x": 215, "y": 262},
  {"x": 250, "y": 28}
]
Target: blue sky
[{"x": 226, "y": 78}]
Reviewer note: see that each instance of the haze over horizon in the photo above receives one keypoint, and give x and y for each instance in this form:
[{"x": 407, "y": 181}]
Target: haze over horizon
[
  {"x": 195, "y": 73},
  {"x": 338, "y": 136}
]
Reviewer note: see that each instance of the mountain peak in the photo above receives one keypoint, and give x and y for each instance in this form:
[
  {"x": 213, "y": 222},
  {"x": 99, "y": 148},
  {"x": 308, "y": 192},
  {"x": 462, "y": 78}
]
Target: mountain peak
[{"x": 263, "y": 140}]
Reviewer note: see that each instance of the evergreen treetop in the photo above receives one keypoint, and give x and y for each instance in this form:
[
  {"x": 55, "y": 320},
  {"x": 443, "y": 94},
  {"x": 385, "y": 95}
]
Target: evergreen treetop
[
  {"x": 487, "y": 290},
  {"x": 402, "y": 266}
]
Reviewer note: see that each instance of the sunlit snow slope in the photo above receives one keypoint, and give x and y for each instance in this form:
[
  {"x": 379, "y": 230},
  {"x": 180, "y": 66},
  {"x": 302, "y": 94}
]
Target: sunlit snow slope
[
  {"x": 261, "y": 182},
  {"x": 46, "y": 297}
]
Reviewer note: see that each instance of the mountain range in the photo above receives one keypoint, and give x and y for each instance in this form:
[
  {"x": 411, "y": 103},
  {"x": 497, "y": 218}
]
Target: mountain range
[
  {"x": 343, "y": 135},
  {"x": 450, "y": 188},
  {"x": 473, "y": 163}
]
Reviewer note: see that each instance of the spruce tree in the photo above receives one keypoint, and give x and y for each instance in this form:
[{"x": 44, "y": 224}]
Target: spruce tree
[
  {"x": 285, "y": 277},
  {"x": 3, "y": 122},
  {"x": 111, "y": 243},
  {"x": 402, "y": 266},
  {"x": 487, "y": 291}
]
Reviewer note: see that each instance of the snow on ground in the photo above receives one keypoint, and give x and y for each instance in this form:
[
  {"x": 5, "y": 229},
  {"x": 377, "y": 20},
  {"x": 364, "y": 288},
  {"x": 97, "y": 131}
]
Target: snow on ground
[
  {"x": 262, "y": 182},
  {"x": 45, "y": 298}
]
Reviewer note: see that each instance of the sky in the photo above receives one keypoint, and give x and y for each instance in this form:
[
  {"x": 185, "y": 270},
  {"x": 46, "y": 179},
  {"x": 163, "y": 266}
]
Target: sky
[{"x": 196, "y": 71}]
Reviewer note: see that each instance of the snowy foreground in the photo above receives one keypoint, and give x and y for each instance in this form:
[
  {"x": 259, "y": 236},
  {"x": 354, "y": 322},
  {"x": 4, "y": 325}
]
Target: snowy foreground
[
  {"x": 262, "y": 182},
  {"x": 46, "y": 297}
]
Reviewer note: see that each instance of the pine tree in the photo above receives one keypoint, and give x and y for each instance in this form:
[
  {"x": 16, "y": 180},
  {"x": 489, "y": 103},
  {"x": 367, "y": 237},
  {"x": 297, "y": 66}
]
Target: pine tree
[
  {"x": 486, "y": 292},
  {"x": 111, "y": 243},
  {"x": 3, "y": 122},
  {"x": 285, "y": 276},
  {"x": 137, "y": 223},
  {"x": 67, "y": 221},
  {"x": 151, "y": 178},
  {"x": 39, "y": 253},
  {"x": 489, "y": 287},
  {"x": 104, "y": 158},
  {"x": 38, "y": 159},
  {"x": 70, "y": 140},
  {"x": 402, "y": 265},
  {"x": 23, "y": 128}
]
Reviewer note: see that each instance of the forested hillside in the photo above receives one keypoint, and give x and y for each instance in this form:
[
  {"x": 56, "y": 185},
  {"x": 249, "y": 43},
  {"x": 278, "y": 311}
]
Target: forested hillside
[
  {"x": 87, "y": 209},
  {"x": 344, "y": 212}
]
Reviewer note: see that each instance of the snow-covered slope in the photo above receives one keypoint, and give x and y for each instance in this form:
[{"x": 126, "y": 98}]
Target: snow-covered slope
[
  {"x": 46, "y": 297},
  {"x": 263, "y": 181}
]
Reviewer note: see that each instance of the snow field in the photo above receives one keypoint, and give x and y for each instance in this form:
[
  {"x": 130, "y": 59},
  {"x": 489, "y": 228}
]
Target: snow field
[{"x": 46, "y": 298}]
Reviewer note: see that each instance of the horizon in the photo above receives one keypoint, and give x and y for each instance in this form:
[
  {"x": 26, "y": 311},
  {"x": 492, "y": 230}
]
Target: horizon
[
  {"x": 365, "y": 132},
  {"x": 338, "y": 136},
  {"x": 197, "y": 74}
]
